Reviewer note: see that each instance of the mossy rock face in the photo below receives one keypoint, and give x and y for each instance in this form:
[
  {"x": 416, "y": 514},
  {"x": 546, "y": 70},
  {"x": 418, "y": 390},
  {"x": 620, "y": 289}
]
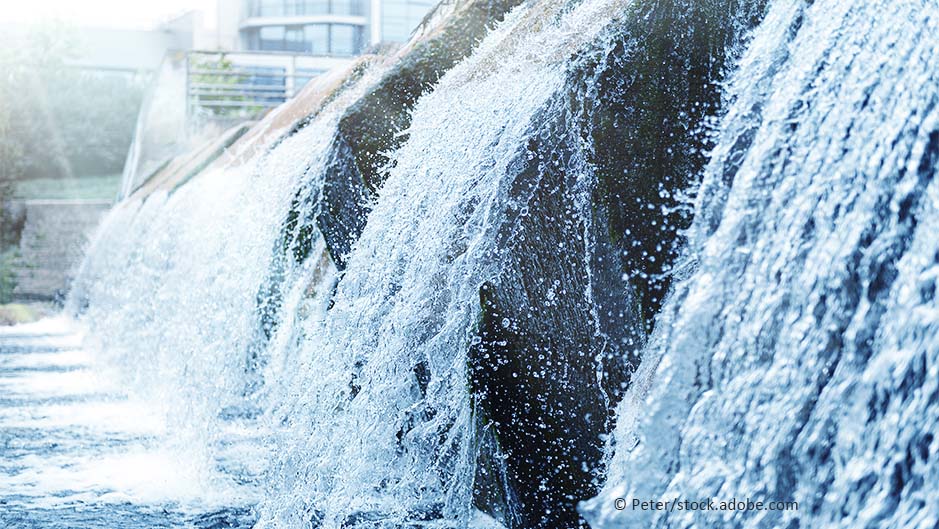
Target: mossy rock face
[
  {"x": 295, "y": 245},
  {"x": 12, "y": 222}
]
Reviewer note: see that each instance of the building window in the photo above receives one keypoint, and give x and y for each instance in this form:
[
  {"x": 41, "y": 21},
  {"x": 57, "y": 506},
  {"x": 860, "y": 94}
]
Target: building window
[
  {"x": 281, "y": 8},
  {"x": 345, "y": 7},
  {"x": 316, "y": 39},
  {"x": 271, "y": 38},
  {"x": 317, "y": 35},
  {"x": 294, "y": 40},
  {"x": 344, "y": 39},
  {"x": 267, "y": 8}
]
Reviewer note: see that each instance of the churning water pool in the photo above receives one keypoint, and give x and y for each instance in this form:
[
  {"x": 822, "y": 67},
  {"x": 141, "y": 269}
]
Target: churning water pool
[{"x": 77, "y": 452}]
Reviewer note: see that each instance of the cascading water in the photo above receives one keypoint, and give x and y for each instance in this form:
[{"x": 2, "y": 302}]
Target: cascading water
[
  {"x": 433, "y": 316},
  {"x": 205, "y": 251},
  {"x": 381, "y": 427},
  {"x": 797, "y": 361}
]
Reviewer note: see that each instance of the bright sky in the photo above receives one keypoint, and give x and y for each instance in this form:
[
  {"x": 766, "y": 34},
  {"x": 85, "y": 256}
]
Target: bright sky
[{"x": 104, "y": 13}]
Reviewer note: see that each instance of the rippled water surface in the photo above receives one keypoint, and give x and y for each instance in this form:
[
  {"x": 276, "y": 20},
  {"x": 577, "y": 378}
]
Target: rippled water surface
[{"x": 76, "y": 452}]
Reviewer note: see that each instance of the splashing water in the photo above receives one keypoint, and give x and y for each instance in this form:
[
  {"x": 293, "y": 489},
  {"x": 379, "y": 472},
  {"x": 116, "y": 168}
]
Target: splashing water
[
  {"x": 797, "y": 362},
  {"x": 791, "y": 361},
  {"x": 406, "y": 306},
  {"x": 80, "y": 452},
  {"x": 168, "y": 295}
]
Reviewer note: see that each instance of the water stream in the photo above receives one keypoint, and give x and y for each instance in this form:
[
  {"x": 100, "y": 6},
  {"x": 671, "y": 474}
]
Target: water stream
[{"x": 525, "y": 325}]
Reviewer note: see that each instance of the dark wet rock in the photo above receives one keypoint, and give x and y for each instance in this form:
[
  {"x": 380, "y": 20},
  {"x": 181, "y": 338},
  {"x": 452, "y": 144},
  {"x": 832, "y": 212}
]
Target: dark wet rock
[
  {"x": 557, "y": 338},
  {"x": 372, "y": 126},
  {"x": 340, "y": 210},
  {"x": 559, "y": 331},
  {"x": 646, "y": 103},
  {"x": 561, "y": 328},
  {"x": 492, "y": 486},
  {"x": 368, "y": 130}
]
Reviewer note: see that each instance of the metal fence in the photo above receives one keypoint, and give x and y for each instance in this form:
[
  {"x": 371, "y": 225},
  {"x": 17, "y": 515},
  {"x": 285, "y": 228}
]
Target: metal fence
[{"x": 247, "y": 83}]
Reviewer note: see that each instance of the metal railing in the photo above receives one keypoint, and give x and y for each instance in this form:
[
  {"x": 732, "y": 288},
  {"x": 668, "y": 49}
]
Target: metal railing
[{"x": 247, "y": 83}]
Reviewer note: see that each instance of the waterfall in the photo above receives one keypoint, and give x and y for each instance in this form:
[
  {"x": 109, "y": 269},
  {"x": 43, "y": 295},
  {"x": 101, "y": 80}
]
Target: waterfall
[
  {"x": 796, "y": 361},
  {"x": 551, "y": 257},
  {"x": 168, "y": 290},
  {"x": 380, "y": 426}
]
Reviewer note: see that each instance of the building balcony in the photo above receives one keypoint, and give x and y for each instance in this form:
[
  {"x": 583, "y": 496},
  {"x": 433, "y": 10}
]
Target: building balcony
[
  {"x": 333, "y": 28},
  {"x": 303, "y": 8}
]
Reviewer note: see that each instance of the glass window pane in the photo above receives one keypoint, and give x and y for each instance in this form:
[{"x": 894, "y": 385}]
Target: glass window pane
[
  {"x": 294, "y": 39},
  {"x": 251, "y": 41},
  {"x": 272, "y": 38},
  {"x": 270, "y": 8},
  {"x": 317, "y": 37},
  {"x": 343, "y": 39},
  {"x": 315, "y": 7},
  {"x": 346, "y": 7}
]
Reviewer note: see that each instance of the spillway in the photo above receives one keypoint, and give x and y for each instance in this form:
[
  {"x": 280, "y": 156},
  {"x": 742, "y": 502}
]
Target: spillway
[{"x": 546, "y": 262}]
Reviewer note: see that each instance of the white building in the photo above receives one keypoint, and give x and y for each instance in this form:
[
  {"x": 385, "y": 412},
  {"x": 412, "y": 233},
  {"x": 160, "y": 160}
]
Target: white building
[
  {"x": 259, "y": 54},
  {"x": 321, "y": 33},
  {"x": 333, "y": 28}
]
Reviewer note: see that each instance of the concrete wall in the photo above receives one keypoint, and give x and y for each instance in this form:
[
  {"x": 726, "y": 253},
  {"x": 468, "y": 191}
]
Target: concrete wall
[{"x": 52, "y": 245}]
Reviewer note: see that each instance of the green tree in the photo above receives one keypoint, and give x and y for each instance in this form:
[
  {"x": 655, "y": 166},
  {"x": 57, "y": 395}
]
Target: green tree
[{"x": 57, "y": 120}]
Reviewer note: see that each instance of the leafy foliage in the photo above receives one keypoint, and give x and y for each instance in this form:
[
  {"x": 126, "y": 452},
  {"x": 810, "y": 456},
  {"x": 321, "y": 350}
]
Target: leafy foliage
[{"x": 58, "y": 120}]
